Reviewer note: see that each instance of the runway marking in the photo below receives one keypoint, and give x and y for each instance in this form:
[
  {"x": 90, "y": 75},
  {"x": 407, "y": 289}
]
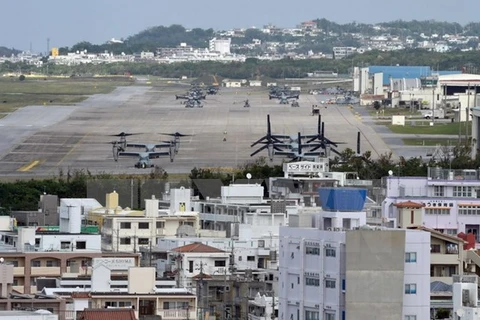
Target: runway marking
[
  {"x": 71, "y": 149},
  {"x": 29, "y": 166}
]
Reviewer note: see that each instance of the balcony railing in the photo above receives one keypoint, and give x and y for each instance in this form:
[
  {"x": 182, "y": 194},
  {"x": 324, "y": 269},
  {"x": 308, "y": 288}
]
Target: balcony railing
[
  {"x": 18, "y": 271},
  {"x": 45, "y": 271},
  {"x": 175, "y": 314}
]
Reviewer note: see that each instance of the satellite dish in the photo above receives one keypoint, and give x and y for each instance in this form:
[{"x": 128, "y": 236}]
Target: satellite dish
[
  {"x": 460, "y": 312},
  {"x": 31, "y": 242},
  {"x": 2, "y": 260},
  {"x": 390, "y": 172},
  {"x": 249, "y": 176}
]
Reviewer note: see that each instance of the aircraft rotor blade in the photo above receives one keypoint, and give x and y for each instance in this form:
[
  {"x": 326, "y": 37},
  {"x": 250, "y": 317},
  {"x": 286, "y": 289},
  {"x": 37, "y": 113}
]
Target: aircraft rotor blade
[{"x": 259, "y": 150}]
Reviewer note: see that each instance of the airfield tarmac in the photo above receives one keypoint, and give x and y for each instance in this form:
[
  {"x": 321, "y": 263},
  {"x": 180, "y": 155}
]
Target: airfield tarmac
[{"x": 41, "y": 140}]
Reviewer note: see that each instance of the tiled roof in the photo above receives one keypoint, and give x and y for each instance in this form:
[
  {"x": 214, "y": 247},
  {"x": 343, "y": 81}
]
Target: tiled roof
[
  {"x": 107, "y": 314},
  {"x": 409, "y": 204},
  {"x": 202, "y": 276},
  {"x": 197, "y": 247}
]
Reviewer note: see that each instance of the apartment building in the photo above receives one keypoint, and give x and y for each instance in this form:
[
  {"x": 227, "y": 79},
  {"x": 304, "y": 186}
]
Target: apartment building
[
  {"x": 333, "y": 247},
  {"x": 52, "y": 254},
  {"x": 11, "y": 300},
  {"x": 141, "y": 294},
  {"x": 131, "y": 231},
  {"x": 448, "y": 198}
]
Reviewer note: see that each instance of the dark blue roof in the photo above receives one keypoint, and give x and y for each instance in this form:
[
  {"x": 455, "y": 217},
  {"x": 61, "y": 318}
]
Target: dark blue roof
[{"x": 342, "y": 199}]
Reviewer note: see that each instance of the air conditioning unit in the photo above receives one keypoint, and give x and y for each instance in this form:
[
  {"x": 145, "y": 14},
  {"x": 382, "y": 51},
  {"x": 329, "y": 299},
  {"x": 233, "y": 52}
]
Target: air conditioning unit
[{"x": 337, "y": 229}]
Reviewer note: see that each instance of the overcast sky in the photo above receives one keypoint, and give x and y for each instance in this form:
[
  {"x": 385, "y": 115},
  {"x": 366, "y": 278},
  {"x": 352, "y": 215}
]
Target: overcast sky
[{"x": 31, "y": 22}]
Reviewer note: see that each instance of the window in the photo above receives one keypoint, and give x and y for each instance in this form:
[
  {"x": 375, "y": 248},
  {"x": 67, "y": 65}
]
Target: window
[
  {"x": 160, "y": 224},
  {"x": 14, "y": 263},
  {"x": 452, "y": 232},
  {"x": 36, "y": 263},
  {"x": 411, "y": 257},
  {"x": 123, "y": 304},
  {"x": 190, "y": 266},
  {"x": 312, "y": 251},
  {"x": 329, "y": 316},
  {"x": 143, "y": 241},
  {"x": 330, "y": 253},
  {"x": 111, "y": 304},
  {"x": 125, "y": 225},
  {"x": 312, "y": 282},
  {"x": 52, "y": 263},
  {"x": 312, "y": 315},
  {"x": 411, "y": 288},
  {"x": 343, "y": 285},
  {"x": 187, "y": 223},
  {"x": 220, "y": 263},
  {"x": 463, "y": 192},
  {"x": 250, "y": 258},
  {"x": 124, "y": 240},
  {"x": 261, "y": 243},
  {"x": 143, "y": 225},
  {"x": 65, "y": 245},
  {"x": 438, "y": 191},
  {"x": 435, "y": 248},
  {"x": 410, "y": 317},
  {"x": 330, "y": 284},
  {"x": 437, "y": 211},
  {"x": 82, "y": 245}
]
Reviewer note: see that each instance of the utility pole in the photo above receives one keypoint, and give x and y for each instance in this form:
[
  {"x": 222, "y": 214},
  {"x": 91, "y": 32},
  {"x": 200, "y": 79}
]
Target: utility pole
[
  {"x": 468, "y": 114},
  {"x": 272, "y": 316},
  {"x": 433, "y": 106}
]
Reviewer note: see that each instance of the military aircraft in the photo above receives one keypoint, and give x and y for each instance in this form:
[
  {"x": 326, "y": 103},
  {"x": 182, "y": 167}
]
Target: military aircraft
[
  {"x": 193, "y": 103},
  {"x": 284, "y": 97},
  {"x": 176, "y": 138},
  {"x": 326, "y": 144},
  {"x": 269, "y": 141},
  {"x": 144, "y": 158},
  {"x": 212, "y": 90},
  {"x": 122, "y": 143},
  {"x": 293, "y": 147}
]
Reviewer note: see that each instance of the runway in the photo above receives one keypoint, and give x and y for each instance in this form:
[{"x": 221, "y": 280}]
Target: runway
[{"x": 41, "y": 140}]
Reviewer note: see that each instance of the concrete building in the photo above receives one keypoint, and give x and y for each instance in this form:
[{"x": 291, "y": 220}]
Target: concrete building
[
  {"x": 331, "y": 249},
  {"x": 446, "y": 200},
  {"x": 11, "y": 300},
  {"x": 465, "y": 298},
  {"x": 141, "y": 295},
  {"x": 263, "y": 307},
  {"x": 221, "y": 46},
  {"x": 387, "y": 274},
  {"x": 197, "y": 260},
  {"x": 32, "y": 263},
  {"x": 128, "y": 232},
  {"x": 46, "y": 215}
]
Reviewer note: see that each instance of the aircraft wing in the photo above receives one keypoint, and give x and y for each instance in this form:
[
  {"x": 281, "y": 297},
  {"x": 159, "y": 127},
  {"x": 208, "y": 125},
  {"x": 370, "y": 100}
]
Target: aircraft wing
[
  {"x": 130, "y": 154},
  {"x": 136, "y": 145},
  {"x": 162, "y": 145},
  {"x": 154, "y": 155},
  {"x": 285, "y": 153}
]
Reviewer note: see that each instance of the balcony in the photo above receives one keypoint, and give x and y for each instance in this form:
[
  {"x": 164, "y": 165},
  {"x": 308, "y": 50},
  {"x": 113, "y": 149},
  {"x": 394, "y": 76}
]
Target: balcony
[
  {"x": 18, "y": 271},
  {"x": 175, "y": 314},
  {"x": 444, "y": 259},
  {"x": 45, "y": 271}
]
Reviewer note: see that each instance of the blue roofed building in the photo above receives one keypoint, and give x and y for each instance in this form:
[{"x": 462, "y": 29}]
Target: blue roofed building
[{"x": 400, "y": 72}]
